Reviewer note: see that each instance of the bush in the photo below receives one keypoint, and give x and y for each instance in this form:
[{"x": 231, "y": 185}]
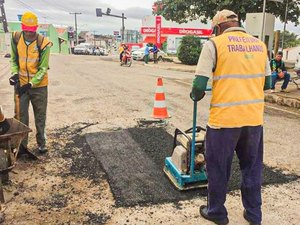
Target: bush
[{"x": 189, "y": 50}]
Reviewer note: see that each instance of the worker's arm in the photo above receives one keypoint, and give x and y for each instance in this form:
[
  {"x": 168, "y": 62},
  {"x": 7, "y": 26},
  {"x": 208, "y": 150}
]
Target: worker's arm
[
  {"x": 43, "y": 66},
  {"x": 206, "y": 63},
  {"x": 268, "y": 77},
  {"x": 14, "y": 58}
]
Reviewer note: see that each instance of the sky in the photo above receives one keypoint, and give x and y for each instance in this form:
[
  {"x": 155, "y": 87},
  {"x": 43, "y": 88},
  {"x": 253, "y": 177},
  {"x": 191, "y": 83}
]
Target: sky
[{"x": 57, "y": 13}]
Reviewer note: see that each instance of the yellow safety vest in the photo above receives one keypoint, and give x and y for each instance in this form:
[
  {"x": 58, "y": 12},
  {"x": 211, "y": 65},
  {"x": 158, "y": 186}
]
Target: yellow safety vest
[
  {"x": 238, "y": 81},
  {"x": 29, "y": 57}
]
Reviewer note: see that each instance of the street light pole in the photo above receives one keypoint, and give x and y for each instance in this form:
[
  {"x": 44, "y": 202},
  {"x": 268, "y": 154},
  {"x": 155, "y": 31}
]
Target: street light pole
[
  {"x": 262, "y": 36},
  {"x": 76, "y": 33},
  {"x": 285, "y": 20}
]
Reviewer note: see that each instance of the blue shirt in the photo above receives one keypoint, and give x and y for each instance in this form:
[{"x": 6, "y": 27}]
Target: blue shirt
[{"x": 147, "y": 52}]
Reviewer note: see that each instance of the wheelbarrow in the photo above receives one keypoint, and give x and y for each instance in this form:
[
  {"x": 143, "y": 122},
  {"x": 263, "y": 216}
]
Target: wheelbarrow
[{"x": 9, "y": 149}]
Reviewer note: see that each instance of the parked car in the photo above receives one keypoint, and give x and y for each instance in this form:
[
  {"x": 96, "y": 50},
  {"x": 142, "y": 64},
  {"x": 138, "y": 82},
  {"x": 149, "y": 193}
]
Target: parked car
[
  {"x": 134, "y": 48},
  {"x": 140, "y": 54},
  {"x": 83, "y": 49}
]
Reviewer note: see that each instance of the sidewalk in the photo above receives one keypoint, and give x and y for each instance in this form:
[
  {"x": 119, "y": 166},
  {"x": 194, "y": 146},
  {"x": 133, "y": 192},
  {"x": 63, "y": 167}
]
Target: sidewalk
[{"x": 291, "y": 99}]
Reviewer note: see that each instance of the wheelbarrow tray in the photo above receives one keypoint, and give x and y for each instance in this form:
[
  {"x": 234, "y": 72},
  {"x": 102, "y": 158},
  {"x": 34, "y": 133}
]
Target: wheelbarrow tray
[{"x": 10, "y": 141}]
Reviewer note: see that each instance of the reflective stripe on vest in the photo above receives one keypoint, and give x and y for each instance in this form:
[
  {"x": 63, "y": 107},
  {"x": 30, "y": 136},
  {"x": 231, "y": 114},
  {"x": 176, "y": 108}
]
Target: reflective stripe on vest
[
  {"x": 28, "y": 58},
  {"x": 238, "y": 81}
]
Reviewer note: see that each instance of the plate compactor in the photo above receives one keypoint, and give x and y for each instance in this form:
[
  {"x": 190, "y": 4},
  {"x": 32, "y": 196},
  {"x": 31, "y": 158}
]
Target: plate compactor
[{"x": 186, "y": 167}]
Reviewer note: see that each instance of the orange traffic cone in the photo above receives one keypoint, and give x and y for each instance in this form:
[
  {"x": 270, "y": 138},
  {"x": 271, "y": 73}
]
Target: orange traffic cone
[{"x": 160, "y": 109}]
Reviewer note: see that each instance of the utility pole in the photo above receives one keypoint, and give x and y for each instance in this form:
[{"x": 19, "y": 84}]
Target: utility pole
[
  {"x": 285, "y": 20},
  {"x": 76, "y": 32},
  {"x": 3, "y": 17}
]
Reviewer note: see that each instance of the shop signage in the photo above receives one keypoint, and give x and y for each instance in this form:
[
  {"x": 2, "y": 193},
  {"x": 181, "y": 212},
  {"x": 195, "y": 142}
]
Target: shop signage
[{"x": 177, "y": 31}]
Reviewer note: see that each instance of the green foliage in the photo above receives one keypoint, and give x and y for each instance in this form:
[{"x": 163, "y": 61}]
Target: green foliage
[
  {"x": 182, "y": 11},
  {"x": 290, "y": 39},
  {"x": 189, "y": 50}
]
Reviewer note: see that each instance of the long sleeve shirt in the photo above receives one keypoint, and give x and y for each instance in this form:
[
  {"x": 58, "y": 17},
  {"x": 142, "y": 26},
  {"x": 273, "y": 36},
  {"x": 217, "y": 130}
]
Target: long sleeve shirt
[
  {"x": 42, "y": 66},
  {"x": 277, "y": 66}
]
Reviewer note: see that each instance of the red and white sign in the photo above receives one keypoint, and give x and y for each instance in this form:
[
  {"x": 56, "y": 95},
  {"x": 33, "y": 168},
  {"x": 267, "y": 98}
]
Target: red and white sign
[
  {"x": 177, "y": 31},
  {"x": 158, "y": 31},
  {"x": 116, "y": 33}
]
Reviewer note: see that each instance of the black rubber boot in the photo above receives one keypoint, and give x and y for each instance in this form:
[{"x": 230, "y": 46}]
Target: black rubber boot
[{"x": 204, "y": 214}]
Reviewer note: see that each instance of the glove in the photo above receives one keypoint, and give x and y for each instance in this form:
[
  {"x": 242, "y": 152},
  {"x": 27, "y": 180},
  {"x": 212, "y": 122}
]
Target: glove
[
  {"x": 13, "y": 80},
  {"x": 22, "y": 90},
  {"x": 196, "y": 95}
]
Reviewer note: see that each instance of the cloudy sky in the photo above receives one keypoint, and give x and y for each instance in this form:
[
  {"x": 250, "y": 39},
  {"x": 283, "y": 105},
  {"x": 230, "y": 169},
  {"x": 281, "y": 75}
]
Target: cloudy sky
[{"x": 57, "y": 12}]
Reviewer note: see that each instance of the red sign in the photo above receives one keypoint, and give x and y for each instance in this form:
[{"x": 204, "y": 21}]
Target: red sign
[
  {"x": 116, "y": 33},
  {"x": 177, "y": 31},
  {"x": 158, "y": 31}
]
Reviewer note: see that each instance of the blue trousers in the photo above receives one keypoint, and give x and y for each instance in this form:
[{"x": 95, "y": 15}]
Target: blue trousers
[
  {"x": 220, "y": 147},
  {"x": 275, "y": 78}
]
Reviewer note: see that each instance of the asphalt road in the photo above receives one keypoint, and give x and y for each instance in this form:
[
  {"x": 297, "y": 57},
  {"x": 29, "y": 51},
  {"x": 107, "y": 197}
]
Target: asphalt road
[{"x": 89, "y": 89}]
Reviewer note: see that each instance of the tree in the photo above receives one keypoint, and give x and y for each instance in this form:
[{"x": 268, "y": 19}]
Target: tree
[
  {"x": 189, "y": 50},
  {"x": 290, "y": 39},
  {"x": 182, "y": 11}
]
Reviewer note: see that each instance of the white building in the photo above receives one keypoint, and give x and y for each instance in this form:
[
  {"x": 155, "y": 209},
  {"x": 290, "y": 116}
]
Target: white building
[
  {"x": 173, "y": 32},
  {"x": 291, "y": 54}
]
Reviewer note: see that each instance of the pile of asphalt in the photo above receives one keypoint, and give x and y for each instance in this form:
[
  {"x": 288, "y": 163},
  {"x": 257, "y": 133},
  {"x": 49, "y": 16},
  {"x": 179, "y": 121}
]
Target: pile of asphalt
[{"x": 133, "y": 160}]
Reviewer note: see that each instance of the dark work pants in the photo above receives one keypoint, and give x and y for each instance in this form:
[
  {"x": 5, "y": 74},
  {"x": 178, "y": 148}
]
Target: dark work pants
[
  {"x": 286, "y": 80},
  {"x": 220, "y": 147},
  {"x": 38, "y": 99}
]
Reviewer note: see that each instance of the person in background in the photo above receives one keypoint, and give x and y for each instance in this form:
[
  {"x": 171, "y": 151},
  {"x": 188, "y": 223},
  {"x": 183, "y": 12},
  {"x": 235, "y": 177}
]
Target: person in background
[
  {"x": 121, "y": 51},
  {"x": 239, "y": 78},
  {"x": 29, "y": 66},
  {"x": 147, "y": 54},
  {"x": 279, "y": 72},
  {"x": 155, "y": 51}
]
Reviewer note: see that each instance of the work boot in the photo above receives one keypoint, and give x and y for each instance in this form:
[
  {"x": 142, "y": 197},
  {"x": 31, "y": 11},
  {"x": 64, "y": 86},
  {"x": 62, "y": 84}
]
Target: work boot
[
  {"x": 248, "y": 219},
  {"x": 42, "y": 149},
  {"x": 204, "y": 214},
  {"x": 284, "y": 90}
]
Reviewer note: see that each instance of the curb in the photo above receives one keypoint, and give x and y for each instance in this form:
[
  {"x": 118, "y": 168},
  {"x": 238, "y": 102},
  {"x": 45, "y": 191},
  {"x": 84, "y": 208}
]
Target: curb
[{"x": 284, "y": 101}]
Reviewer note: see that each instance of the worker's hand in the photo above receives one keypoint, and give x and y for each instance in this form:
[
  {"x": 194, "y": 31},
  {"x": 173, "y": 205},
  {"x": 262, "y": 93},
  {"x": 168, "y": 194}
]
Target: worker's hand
[
  {"x": 196, "y": 95},
  {"x": 13, "y": 80},
  {"x": 281, "y": 75},
  {"x": 22, "y": 90}
]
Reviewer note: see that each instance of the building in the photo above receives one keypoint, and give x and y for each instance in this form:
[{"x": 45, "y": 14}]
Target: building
[
  {"x": 291, "y": 54},
  {"x": 58, "y": 36},
  {"x": 172, "y": 32}
]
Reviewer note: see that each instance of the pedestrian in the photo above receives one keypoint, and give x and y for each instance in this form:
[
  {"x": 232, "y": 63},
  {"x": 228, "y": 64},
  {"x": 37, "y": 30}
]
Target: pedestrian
[
  {"x": 29, "y": 65},
  {"x": 121, "y": 51},
  {"x": 155, "y": 51},
  {"x": 147, "y": 53},
  {"x": 238, "y": 65},
  {"x": 279, "y": 72}
]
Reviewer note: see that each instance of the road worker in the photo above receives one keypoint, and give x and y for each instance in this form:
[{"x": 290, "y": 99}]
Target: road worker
[
  {"x": 238, "y": 65},
  {"x": 29, "y": 65}
]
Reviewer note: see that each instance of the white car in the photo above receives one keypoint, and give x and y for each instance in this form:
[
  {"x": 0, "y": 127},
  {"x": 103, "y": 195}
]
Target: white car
[
  {"x": 83, "y": 49},
  {"x": 140, "y": 54}
]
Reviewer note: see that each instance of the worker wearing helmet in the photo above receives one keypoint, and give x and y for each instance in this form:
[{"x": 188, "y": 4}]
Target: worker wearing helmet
[
  {"x": 30, "y": 60},
  {"x": 237, "y": 64}
]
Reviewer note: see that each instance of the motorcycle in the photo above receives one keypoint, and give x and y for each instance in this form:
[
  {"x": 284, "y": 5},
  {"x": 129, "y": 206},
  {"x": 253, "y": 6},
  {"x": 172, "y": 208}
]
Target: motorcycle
[{"x": 127, "y": 59}]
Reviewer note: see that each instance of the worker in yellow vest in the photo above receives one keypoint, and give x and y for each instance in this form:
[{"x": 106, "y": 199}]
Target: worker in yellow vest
[
  {"x": 237, "y": 64},
  {"x": 29, "y": 65}
]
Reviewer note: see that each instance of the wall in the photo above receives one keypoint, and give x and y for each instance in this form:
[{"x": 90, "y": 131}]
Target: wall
[{"x": 291, "y": 54}]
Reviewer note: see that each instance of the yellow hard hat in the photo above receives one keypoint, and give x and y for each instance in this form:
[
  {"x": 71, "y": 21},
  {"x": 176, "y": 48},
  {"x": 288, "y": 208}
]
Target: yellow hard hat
[
  {"x": 223, "y": 17},
  {"x": 29, "y": 22}
]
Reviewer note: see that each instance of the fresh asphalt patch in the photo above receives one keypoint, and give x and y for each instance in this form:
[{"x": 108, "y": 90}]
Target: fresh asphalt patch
[{"x": 133, "y": 160}]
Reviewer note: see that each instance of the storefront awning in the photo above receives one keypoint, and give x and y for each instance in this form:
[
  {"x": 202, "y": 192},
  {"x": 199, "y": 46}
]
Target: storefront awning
[{"x": 152, "y": 39}]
